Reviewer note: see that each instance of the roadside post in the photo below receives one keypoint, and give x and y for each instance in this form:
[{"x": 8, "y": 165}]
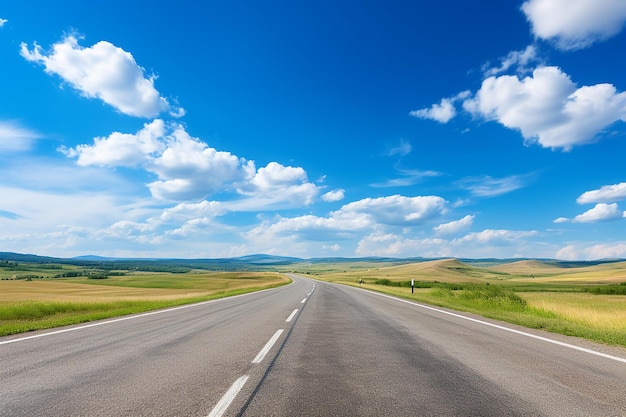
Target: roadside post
[{"x": 412, "y": 285}]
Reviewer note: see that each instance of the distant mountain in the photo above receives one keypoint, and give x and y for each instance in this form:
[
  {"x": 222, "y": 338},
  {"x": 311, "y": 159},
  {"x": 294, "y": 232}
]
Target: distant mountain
[
  {"x": 266, "y": 259},
  {"x": 20, "y": 257},
  {"x": 94, "y": 258}
]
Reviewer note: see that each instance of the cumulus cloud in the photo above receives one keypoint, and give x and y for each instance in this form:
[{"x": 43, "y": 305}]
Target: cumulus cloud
[
  {"x": 334, "y": 195},
  {"x": 103, "y": 71},
  {"x": 14, "y": 137},
  {"x": 601, "y": 212},
  {"x": 442, "y": 112},
  {"x": 548, "y": 108},
  {"x": 575, "y": 24},
  {"x": 355, "y": 218},
  {"x": 2, "y": 22},
  {"x": 277, "y": 183},
  {"x": 187, "y": 169},
  {"x": 121, "y": 149},
  {"x": 455, "y": 227},
  {"x": 606, "y": 194}
]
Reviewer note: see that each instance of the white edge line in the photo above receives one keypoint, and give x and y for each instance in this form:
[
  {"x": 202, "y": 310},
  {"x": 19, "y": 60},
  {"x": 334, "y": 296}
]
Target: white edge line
[
  {"x": 303, "y": 301},
  {"x": 131, "y": 317},
  {"x": 228, "y": 398},
  {"x": 261, "y": 355},
  {"x": 544, "y": 339},
  {"x": 291, "y": 316}
]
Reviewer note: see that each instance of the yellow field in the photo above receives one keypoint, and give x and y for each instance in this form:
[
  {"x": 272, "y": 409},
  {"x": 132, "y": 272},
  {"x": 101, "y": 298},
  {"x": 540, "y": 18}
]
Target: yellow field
[
  {"x": 603, "y": 312},
  {"x": 139, "y": 286}
]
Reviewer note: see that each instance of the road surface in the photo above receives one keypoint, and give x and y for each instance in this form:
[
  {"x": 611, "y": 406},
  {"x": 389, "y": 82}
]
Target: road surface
[{"x": 307, "y": 349}]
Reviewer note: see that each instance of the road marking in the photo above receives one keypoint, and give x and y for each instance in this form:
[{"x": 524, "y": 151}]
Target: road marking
[
  {"x": 228, "y": 398},
  {"x": 136, "y": 316},
  {"x": 267, "y": 347},
  {"x": 544, "y": 339},
  {"x": 303, "y": 301},
  {"x": 292, "y": 315}
]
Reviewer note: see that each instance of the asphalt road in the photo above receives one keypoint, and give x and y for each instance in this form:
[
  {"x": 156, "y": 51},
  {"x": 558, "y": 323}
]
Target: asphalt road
[{"x": 307, "y": 349}]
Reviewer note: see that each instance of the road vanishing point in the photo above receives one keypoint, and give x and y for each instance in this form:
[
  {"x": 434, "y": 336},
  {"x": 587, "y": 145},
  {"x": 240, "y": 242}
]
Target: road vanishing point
[{"x": 308, "y": 349}]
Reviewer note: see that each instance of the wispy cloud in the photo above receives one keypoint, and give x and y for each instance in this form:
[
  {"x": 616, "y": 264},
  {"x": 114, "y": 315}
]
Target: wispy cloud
[
  {"x": 487, "y": 186},
  {"x": 2, "y": 22},
  {"x": 403, "y": 149},
  {"x": 519, "y": 60},
  {"x": 16, "y": 138},
  {"x": 407, "y": 177}
]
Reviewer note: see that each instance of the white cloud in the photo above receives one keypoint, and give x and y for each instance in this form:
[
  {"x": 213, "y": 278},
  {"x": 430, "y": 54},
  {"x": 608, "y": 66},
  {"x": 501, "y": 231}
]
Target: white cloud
[
  {"x": 103, "y": 71},
  {"x": 601, "y": 212},
  {"x": 442, "y": 112},
  {"x": 389, "y": 244},
  {"x": 334, "y": 195},
  {"x": 561, "y": 220},
  {"x": 606, "y": 194},
  {"x": 403, "y": 149},
  {"x": 15, "y": 138},
  {"x": 275, "y": 186},
  {"x": 395, "y": 210},
  {"x": 121, "y": 149},
  {"x": 455, "y": 227},
  {"x": 593, "y": 252},
  {"x": 2, "y": 22},
  {"x": 187, "y": 211},
  {"x": 492, "y": 187},
  {"x": 187, "y": 169},
  {"x": 496, "y": 237},
  {"x": 548, "y": 108},
  {"x": 355, "y": 218},
  {"x": 408, "y": 177},
  {"x": 575, "y": 24},
  {"x": 520, "y": 60}
]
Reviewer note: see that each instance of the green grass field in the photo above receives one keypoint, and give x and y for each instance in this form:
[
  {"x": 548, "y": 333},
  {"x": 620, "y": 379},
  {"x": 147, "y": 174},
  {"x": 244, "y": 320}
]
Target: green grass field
[{"x": 43, "y": 303}]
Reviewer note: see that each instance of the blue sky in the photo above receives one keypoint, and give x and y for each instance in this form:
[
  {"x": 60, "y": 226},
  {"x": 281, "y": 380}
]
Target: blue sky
[{"x": 313, "y": 128}]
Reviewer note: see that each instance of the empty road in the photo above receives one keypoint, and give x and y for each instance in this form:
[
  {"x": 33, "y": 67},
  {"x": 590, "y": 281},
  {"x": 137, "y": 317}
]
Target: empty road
[{"x": 307, "y": 349}]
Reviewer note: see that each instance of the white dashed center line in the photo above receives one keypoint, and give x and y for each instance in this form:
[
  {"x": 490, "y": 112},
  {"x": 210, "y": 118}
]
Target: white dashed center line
[
  {"x": 292, "y": 315},
  {"x": 228, "y": 398},
  {"x": 267, "y": 347}
]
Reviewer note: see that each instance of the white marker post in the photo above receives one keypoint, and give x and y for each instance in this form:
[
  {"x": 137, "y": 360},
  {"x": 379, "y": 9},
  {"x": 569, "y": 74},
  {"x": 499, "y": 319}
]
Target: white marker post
[{"x": 412, "y": 285}]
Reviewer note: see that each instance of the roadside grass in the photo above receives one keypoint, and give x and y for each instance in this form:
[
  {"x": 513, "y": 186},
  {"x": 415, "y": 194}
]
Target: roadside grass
[
  {"x": 43, "y": 304},
  {"x": 585, "y": 302},
  {"x": 594, "y": 317}
]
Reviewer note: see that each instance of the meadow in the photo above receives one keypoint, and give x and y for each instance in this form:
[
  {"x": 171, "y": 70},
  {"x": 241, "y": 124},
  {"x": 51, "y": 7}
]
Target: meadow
[
  {"x": 586, "y": 300},
  {"x": 35, "y": 298}
]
